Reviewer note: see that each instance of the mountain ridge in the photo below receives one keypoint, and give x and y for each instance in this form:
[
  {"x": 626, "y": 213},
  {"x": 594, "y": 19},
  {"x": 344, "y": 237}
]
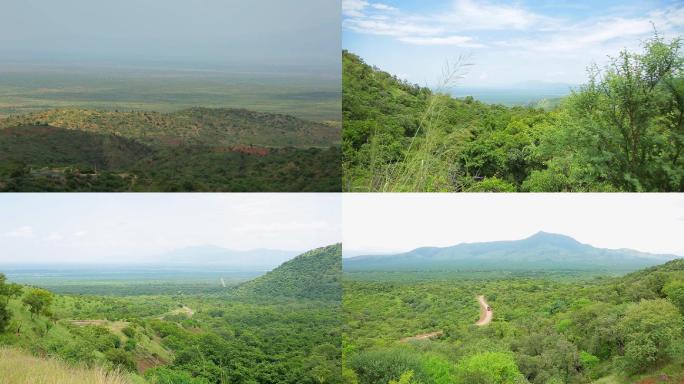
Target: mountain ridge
[
  {"x": 540, "y": 251},
  {"x": 192, "y": 126}
]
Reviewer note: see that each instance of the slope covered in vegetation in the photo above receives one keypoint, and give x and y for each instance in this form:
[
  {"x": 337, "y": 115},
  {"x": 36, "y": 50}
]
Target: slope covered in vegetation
[
  {"x": 622, "y": 131},
  {"x": 576, "y": 329},
  {"x": 18, "y": 367},
  {"x": 192, "y": 150},
  {"x": 198, "y": 126},
  {"x": 181, "y": 334},
  {"x": 312, "y": 275}
]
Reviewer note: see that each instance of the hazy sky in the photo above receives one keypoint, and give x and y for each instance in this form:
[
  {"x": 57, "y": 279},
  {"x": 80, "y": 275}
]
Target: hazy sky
[
  {"x": 401, "y": 222},
  {"x": 505, "y": 41},
  {"x": 195, "y": 31},
  {"x": 61, "y": 228}
]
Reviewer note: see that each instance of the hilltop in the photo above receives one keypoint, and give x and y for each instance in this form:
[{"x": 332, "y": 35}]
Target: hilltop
[
  {"x": 312, "y": 275},
  {"x": 541, "y": 251}
]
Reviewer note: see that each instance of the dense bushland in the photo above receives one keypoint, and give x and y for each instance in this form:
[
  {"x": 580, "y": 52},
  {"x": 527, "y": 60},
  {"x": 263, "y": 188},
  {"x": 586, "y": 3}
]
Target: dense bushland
[
  {"x": 621, "y": 131},
  {"x": 545, "y": 330}
]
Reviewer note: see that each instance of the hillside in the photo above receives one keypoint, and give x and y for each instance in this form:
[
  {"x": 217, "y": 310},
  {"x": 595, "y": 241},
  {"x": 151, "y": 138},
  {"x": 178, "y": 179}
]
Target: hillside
[
  {"x": 312, "y": 275},
  {"x": 195, "y": 126},
  {"x": 198, "y": 149},
  {"x": 542, "y": 251},
  {"x": 48, "y": 145},
  {"x": 401, "y": 137},
  {"x": 18, "y": 367}
]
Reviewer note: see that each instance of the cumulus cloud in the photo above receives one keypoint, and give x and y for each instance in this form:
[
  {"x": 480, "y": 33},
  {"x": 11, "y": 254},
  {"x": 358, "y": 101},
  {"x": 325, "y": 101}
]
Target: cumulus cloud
[{"x": 472, "y": 24}]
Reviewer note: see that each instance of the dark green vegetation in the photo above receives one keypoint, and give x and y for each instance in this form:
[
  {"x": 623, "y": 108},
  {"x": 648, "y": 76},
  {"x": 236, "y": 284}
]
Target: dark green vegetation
[
  {"x": 192, "y": 150},
  {"x": 540, "y": 252},
  {"x": 577, "y": 329},
  {"x": 238, "y": 334},
  {"x": 622, "y": 131}
]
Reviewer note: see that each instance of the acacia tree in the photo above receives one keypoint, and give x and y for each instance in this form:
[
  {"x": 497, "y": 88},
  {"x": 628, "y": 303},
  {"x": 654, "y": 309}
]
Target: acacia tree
[
  {"x": 649, "y": 331},
  {"x": 38, "y": 301},
  {"x": 632, "y": 113}
]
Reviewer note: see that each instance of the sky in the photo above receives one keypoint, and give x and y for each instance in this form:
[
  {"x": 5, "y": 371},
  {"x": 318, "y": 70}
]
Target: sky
[
  {"x": 502, "y": 43},
  {"x": 206, "y": 32},
  {"x": 120, "y": 228},
  {"x": 390, "y": 223}
]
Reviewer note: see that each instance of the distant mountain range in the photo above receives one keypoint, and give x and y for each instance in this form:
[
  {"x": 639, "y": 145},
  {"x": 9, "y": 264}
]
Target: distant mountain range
[
  {"x": 542, "y": 251},
  {"x": 210, "y": 255}
]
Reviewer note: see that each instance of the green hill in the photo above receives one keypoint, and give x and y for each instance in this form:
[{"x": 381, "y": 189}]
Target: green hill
[
  {"x": 199, "y": 149},
  {"x": 542, "y": 251},
  {"x": 312, "y": 275}
]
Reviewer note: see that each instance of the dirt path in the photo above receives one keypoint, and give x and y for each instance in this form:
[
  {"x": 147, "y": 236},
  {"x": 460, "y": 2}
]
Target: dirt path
[
  {"x": 423, "y": 336},
  {"x": 184, "y": 310},
  {"x": 485, "y": 313}
]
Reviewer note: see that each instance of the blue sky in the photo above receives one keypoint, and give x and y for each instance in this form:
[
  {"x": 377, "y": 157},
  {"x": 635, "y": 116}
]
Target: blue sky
[
  {"x": 209, "y": 32},
  {"x": 506, "y": 42},
  {"x": 113, "y": 228}
]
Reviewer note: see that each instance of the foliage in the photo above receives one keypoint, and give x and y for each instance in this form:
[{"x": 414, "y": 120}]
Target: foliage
[
  {"x": 548, "y": 327},
  {"x": 488, "y": 368},
  {"x": 622, "y": 131},
  {"x": 198, "y": 149},
  {"x": 38, "y": 301},
  {"x": 313, "y": 275},
  {"x": 180, "y": 335}
]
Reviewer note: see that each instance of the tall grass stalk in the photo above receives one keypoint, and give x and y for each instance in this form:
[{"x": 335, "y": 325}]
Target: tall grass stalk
[
  {"x": 17, "y": 367},
  {"x": 427, "y": 159}
]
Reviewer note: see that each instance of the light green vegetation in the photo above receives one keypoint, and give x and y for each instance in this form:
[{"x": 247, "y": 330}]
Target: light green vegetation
[
  {"x": 305, "y": 95},
  {"x": 622, "y": 131},
  {"x": 578, "y": 329},
  {"x": 190, "y": 336}
]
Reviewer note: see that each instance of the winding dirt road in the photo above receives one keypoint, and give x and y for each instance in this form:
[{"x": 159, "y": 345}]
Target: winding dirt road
[{"x": 486, "y": 312}]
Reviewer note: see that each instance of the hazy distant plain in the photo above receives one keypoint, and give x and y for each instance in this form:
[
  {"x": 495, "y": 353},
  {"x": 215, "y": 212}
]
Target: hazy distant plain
[{"x": 305, "y": 94}]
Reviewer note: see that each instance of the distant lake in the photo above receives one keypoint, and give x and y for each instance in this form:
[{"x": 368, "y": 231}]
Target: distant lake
[{"x": 512, "y": 96}]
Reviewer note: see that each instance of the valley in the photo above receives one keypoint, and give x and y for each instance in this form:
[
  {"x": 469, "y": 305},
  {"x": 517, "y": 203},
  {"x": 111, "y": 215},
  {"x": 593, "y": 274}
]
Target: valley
[
  {"x": 541, "y": 329},
  {"x": 176, "y": 325}
]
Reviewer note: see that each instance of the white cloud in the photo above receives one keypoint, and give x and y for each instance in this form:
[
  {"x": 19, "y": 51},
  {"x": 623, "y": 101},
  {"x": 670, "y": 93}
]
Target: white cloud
[
  {"x": 461, "y": 41},
  {"x": 375, "y": 26},
  {"x": 353, "y": 8},
  {"x": 383, "y": 7},
  {"x": 21, "y": 232},
  {"x": 481, "y": 15},
  {"x": 79, "y": 233}
]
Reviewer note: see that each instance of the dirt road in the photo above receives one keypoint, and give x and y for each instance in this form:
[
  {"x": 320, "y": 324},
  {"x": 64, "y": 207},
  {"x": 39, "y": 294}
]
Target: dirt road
[
  {"x": 423, "y": 336},
  {"x": 485, "y": 315}
]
